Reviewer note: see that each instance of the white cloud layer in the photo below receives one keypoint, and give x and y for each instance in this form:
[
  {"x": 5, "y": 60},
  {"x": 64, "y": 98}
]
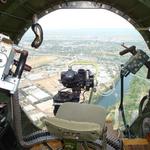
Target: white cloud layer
[{"x": 83, "y": 18}]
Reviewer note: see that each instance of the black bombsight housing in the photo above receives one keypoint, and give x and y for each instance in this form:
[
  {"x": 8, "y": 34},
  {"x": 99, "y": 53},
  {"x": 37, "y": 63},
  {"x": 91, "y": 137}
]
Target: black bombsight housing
[{"x": 77, "y": 79}]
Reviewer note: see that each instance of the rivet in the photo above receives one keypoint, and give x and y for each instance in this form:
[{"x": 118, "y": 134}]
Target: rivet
[
  {"x": 117, "y": 11},
  {"x": 46, "y": 12}
]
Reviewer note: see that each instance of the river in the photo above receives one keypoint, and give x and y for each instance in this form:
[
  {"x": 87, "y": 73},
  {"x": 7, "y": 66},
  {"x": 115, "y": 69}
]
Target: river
[{"x": 111, "y": 99}]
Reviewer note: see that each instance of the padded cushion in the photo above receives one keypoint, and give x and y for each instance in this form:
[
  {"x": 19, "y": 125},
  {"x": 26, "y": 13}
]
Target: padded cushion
[
  {"x": 73, "y": 130},
  {"x": 77, "y": 121},
  {"x": 82, "y": 112}
]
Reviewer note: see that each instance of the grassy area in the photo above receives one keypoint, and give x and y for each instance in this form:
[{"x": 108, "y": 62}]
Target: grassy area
[{"x": 139, "y": 87}]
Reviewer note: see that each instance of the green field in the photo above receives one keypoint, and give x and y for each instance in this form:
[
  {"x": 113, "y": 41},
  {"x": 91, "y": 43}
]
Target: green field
[{"x": 138, "y": 88}]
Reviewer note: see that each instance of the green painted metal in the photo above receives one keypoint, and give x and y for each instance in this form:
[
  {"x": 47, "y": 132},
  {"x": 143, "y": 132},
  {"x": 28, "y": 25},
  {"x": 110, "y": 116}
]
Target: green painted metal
[
  {"x": 4, "y": 98},
  {"x": 145, "y": 2}
]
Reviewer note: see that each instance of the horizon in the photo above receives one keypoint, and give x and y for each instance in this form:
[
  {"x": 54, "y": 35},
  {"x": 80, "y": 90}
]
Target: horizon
[
  {"x": 127, "y": 34},
  {"x": 86, "y": 22}
]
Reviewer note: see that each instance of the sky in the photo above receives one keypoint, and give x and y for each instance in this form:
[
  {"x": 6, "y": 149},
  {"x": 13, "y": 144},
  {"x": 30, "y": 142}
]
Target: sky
[
  {"x": 83, "y": 18},
  {"x": 86, "y": 18}
]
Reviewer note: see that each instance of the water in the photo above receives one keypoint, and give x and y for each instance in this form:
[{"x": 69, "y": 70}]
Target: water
[{"x": 109, "y": 100}]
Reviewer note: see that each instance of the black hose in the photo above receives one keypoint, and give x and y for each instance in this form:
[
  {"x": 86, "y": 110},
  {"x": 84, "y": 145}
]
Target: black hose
[
  {"x": 32, "y": 139},
  {"x": 141, "y": 104},
  {"x": 113, "y": 142},
  {"x": 38, "y": 35}
]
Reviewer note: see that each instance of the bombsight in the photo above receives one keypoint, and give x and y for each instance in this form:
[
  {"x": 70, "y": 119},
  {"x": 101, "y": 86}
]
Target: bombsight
[{"x": 76, "y": 81}]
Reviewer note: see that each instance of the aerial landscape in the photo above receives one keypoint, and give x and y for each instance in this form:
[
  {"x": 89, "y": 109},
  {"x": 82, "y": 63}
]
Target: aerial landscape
[{"x": 93, "y": 49}]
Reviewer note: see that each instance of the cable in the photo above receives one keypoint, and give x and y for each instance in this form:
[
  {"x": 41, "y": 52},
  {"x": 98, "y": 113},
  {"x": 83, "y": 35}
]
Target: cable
[
  {"x": 32, "y": 139},
  {"x": 37, "y": 29},
  {"x": 13, "y": 16},
  {"x": 121, "y": 109}
]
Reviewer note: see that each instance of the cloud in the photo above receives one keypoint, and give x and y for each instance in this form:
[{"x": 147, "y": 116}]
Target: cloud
[{"x": 83, "y": 18}]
